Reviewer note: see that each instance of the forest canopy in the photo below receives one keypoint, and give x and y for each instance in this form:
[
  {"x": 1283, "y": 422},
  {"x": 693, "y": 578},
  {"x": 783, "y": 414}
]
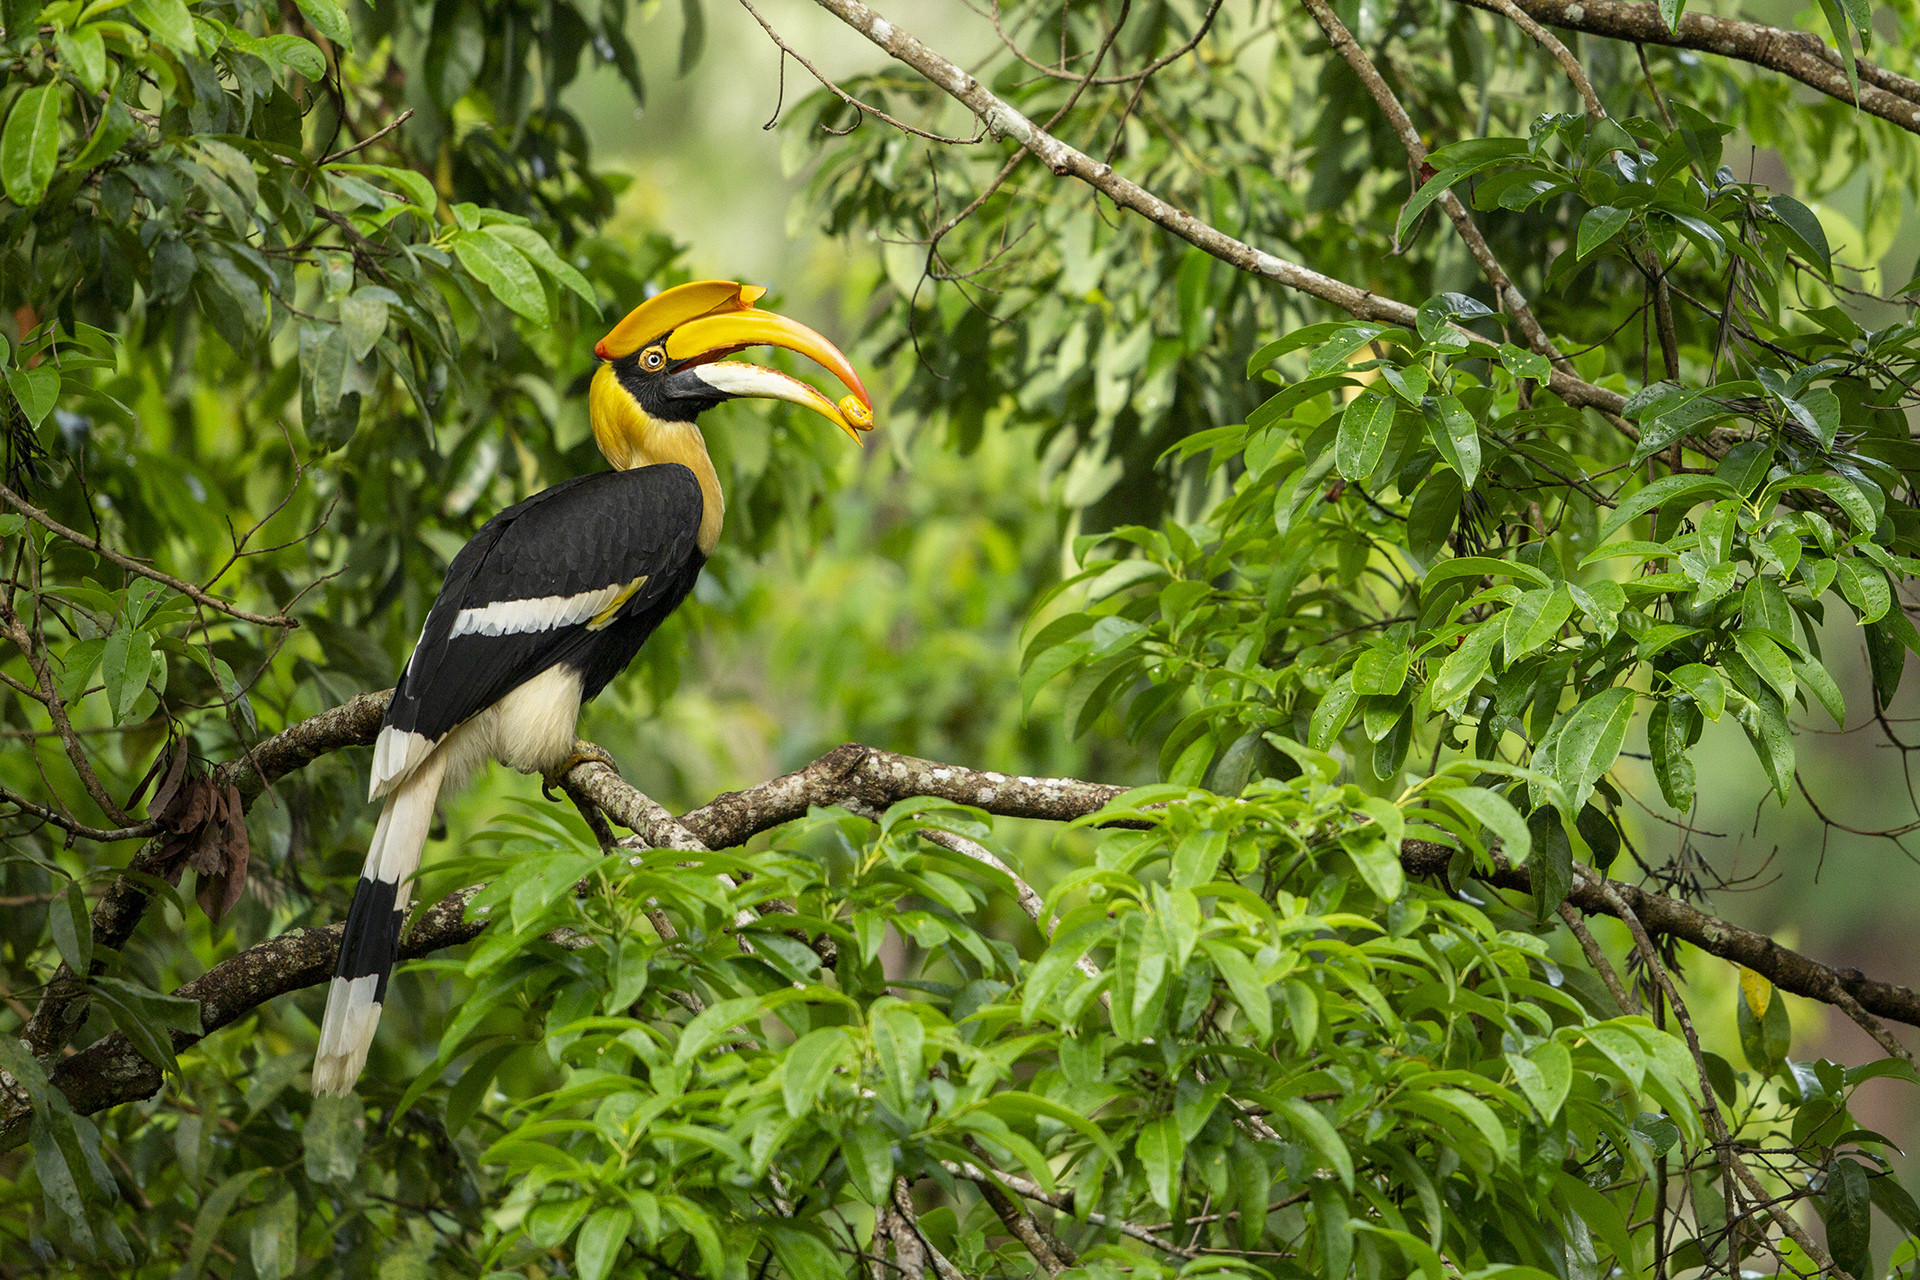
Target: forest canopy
[{"x": 1345, "y": 472}]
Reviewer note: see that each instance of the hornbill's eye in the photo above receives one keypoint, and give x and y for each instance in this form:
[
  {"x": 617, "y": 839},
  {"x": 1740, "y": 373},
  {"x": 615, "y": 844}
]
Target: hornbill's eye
[{"x": 653, "y": 359}]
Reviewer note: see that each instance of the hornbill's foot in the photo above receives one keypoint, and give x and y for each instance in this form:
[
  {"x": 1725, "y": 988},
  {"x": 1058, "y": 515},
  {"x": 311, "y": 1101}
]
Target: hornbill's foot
[{"x": 583, "y": 753}]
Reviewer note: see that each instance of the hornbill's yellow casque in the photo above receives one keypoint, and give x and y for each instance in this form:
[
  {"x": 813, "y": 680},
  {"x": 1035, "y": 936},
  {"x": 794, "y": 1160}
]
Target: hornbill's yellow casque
[{"x": 553, "y": 597}]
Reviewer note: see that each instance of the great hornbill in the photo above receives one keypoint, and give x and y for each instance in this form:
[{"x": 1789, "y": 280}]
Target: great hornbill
[{"x": 554, "y": 596}]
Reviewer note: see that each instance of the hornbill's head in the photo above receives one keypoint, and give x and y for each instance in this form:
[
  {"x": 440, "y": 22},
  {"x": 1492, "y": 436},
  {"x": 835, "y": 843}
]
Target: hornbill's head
[{"x": 667, "y": 361}]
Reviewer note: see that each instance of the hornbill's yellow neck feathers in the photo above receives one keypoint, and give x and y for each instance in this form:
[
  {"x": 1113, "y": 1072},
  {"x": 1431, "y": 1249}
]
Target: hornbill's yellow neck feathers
[{"x": 665, "y": 364}]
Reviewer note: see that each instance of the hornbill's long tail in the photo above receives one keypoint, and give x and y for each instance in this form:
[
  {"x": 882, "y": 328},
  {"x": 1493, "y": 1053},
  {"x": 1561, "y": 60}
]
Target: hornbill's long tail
[{"x": 371, "y": 943}]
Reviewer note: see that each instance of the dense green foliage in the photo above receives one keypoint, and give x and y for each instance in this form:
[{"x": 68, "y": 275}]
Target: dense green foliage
[{"x": 1331, "y": 585}]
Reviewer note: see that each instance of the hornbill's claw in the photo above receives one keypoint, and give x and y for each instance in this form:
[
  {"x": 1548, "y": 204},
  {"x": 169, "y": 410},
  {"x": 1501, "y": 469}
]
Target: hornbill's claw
[{"x": 584, "y": 752}]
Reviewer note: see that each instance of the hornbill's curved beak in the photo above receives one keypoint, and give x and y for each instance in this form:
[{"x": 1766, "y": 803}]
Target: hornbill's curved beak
[{"x": 699, "y": 324}]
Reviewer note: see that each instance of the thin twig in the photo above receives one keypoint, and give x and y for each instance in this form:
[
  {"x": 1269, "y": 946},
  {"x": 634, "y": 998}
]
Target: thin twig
[
  {"x": 1561, "y": 54},
  {"x": 1007, "y": 121},
  {"x": 1200, "y": 33},
  {"x": 1723, "y": 1142},
  {"x": 371, "y": 138},
  {"x": 1416, "y": 148},
  {"x": 79, "y": 830},
  {"x": 1628, "y": 1002},
  {"x": 131, "y": 565},
  {"x": 1060, "y": 1202},
  {"x": 864, "y": 107}
]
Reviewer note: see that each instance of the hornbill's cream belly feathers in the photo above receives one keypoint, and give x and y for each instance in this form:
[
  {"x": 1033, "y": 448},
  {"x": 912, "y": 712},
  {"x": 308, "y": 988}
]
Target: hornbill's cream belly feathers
[{"x": 552, "y": 599}]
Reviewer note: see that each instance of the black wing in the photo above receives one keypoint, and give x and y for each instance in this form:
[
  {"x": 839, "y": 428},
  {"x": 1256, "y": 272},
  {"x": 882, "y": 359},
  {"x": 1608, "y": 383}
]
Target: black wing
[{"x": 591, "y": 564}]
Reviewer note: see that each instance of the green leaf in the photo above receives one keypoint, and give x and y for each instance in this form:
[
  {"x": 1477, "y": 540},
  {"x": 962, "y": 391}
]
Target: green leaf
[
  {"x": 72, "y": 925},
  {"x": 598, "y": 1245},
  {"x": 1601, "y": 224},
  {"x": 1315, "y": 1130},
  {"x": 1330, "y": 717},
  {"x": 868, "y": 1151},
  {"x": 1482, "y": 566},
  {"x": 1764, "y": 655},
  {"x": 36, "y": 390},
  {"x": 1801, "y": 223},
  {"x": 1667, "y": 491},
  {"x": 1305, "y": 336},
  {"x": 1535, "y": 618},
  {"x": 1364, "y": 429},
  {"x": 27, "y": 1071},
  {"x": 898, "y": 1040},
  {"x": 1525, "y": 364},
  {"x": 504, "y": 270},
  {"x": 169, "y": 22},
  {"x": 1846, "y": 1206},
  {"x": 1592, "y": 737},
  {"x": 302, "y": 57},
  {"x": 693, "y": 33},
  {"x": 1435, "y": 187},
  {"x": 1550, "y": 869},
  {"x": 1704, "y": 685},
  {"x": 1333, "y": 1228},
  {"x": 1764, "y": 605},
  {"x": 809, "y": 1066},
  {"x": 1865, "y": 588},
  {"x": 1667, "y": 728},
  {"x": 1765, "y": 1032},
  {"x": 1545, "y": 1076},
  {"x": 115, "y": 127},
  {"x": 1378, "y": 861},
  {"x": 57, "y": 1182},
  {"x": 1437, "y": 314},
  {"x": 1496, "y": 814},
  {"x": 363, "y": 319},
  {"x": 274, "y": 1238},
  {"x": 212, "y": 1216},
  {"x": 85, "y": 54},
  {"x": 535, "y": 246},
  {"x": 1837, "y": 19},
  {"x": 1435, "y": 510},
  {"x": 149, "y": 1018},
  {"x": 1409, "y": 383},
  {"x": 1676, "y": 418},
  {"x": 1765, "y": 721},
  {"x": 1845, "y": 494},
  {"x": 1464, "y": 666},
  {"x": 1381, "y": 670},
  {"x": 335, "y": 1131},
  {"x": 1334, "y": 354},
  {"x": 1249, "y": 993},
  {"x": 330, "y": 20},
  {"x": 1888, "y": 658},
  {"x": 126, "y": 662},
  {"x": 1819, "y": 681},
  {"x": 1161, "y": 1154},
  {"x": 1455, "y": 436},
  {"x": 30, "y": 143}
]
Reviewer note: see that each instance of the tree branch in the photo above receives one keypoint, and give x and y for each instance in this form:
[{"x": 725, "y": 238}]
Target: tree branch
[
  {"x": 1503, "y": 287},
  {"x": 1006, "y": 121},
  {"x": 1797, "y": 54},
  {"x": 1670, "y": 917}
]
